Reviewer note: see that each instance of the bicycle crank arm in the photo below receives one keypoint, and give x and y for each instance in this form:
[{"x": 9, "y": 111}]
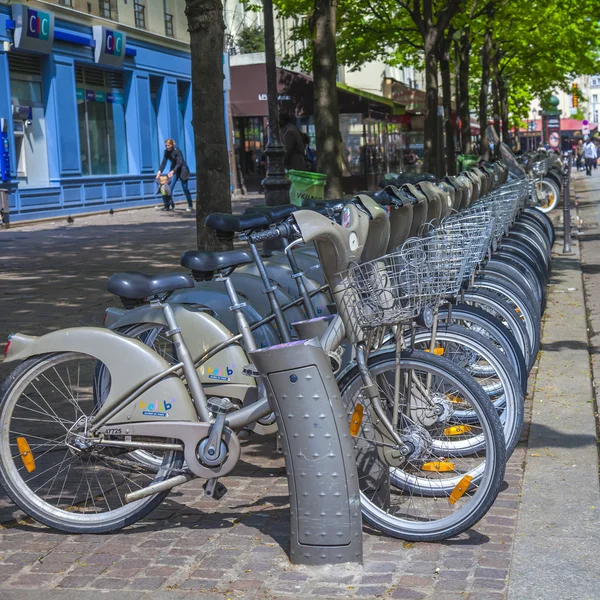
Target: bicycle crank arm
[{"x": 155, "y": 488}]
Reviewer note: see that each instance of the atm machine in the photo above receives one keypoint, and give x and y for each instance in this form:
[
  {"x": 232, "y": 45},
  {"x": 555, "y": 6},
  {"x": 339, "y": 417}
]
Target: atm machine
[{"x": 4, "y": 172}]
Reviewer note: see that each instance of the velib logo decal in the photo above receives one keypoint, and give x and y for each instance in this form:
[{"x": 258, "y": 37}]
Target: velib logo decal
[
  {"x": 38, "y": 24},
  {"x": 113, "y": 42},
  {"x": 156, "y": 409},
  {"x": 220, "y": 373}
]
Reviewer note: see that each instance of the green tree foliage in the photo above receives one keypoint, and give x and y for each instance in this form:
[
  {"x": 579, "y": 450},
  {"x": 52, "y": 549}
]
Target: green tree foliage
[{"x": 250, "y": 39}]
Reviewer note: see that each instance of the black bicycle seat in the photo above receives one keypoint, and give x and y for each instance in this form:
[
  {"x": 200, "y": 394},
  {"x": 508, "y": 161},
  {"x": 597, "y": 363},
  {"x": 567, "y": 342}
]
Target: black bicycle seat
[
  {"x": 275, "y": 213},
  {"x": 134, "y": 285},
  {"x": 204, "y": 264},
  {"x": 226, "y": 223},
  {"x": 390, "y": 196},
  {"x": 320, "y": 204}
]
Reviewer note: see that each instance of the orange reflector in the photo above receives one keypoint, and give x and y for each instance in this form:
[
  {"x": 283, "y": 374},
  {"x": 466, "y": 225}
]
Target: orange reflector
[
  {"x": 461, "y": 487},
  {"x": 457, "y": 430},
  {"x": 357, "y": 417},
  {"x": 455, "y": 399},
  {"x": 439, "y": 351},
  {"x": 26, "y": 455},
  {"x": 441, "y": 466}
]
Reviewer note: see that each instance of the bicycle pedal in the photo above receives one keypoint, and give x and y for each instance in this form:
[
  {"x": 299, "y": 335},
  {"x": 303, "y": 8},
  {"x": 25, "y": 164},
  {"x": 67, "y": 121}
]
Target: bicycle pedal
[
  {"x": 250, "y": 371},
  {"x": 220, "y": 406},
  {"x": 214, "y": 489}
]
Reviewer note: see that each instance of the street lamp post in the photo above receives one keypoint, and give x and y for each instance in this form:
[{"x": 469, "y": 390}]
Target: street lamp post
[{"x": 276, "y": 183}]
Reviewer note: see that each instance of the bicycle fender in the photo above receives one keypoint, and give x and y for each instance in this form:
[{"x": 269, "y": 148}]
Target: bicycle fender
[
  {"x": 222, "y": 374},
  {"x": 130, "y": 364}
]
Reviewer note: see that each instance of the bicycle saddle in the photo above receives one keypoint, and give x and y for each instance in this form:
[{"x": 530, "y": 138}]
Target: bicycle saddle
[
  {"x": 226, "y": 223},
  {"x": 204, "y": 264},
  {"x": 275, "y": 213},
  {"x": 134, "y": 285},
  {"x": 319, "y": 204},
  {"x": 390, "y": 196}
]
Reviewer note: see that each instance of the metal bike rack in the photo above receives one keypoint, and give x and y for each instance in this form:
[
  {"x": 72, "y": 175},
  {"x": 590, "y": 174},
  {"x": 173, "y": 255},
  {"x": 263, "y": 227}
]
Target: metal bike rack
[{"x": 326, "y": 522}]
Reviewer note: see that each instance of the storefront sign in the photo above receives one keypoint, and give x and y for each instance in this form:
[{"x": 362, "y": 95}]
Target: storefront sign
[
  {"x": 110, "y": 46},
  {"x": 34, "y": 29},
  {"x": 413, "y": 99},
  {"x": 90, "y": 95},
  {"x": 112, "y": 98},
  {"x": 80, "y": 94}
]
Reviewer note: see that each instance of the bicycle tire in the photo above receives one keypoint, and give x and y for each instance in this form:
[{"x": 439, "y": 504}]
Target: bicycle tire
[
  {"x": 487, "y": 482},
  {"x": 12, "y": 479}
]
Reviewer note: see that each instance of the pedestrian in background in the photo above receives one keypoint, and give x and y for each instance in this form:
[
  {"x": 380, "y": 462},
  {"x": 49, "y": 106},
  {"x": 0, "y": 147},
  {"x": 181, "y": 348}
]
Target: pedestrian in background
[
  {"x": 179, "y": 170},
  {"x": 579, "y": 158},
  {"x": 292, "y": 141},
  {"x": 591, "y": 154}
]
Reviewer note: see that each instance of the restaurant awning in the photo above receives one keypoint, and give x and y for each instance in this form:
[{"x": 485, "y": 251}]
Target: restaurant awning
[{"x": 295, "y": 95}]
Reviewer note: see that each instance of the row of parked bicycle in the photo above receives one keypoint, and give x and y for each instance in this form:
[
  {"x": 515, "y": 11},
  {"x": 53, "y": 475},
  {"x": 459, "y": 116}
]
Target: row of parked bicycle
[{"x": 426, "y": 297}]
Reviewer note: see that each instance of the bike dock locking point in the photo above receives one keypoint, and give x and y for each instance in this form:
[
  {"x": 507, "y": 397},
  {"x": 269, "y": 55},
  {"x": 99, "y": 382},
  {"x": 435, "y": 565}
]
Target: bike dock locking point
[{"x": 325, "y": 515}]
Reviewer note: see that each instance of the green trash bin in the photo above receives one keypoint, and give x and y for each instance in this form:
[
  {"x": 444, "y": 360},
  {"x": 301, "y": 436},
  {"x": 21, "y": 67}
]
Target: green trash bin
[
  {"x": 306, "y": 185},
  {"x": 466, "y": 161}
]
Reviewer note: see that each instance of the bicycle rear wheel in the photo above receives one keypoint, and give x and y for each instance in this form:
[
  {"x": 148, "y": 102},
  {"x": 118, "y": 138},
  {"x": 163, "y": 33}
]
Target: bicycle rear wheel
[
  {"x": 49, "y": 467},
  {"x": 423, "y": 496}
]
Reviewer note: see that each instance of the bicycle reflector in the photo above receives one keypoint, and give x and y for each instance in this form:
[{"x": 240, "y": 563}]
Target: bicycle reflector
[
  {"x": 439, "y": 351},
  {"x": 439, "y": 466},
  {"x": 26, "y": 455},
  {"x": 356, "y": 420},
  {"x": 461, "y": 487},
  {"x": 457, "y": 430}
]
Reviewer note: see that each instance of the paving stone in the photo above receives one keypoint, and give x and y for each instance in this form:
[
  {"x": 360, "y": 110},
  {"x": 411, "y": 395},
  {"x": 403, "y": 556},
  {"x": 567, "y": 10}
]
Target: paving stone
[
  {"x": 74, "y": 581},
  {"x": 147, "y": 583},
  {"x": 371, "y": 591},
  {"x": 110, "y": 583},
  {"x": 407, "y": 594}
]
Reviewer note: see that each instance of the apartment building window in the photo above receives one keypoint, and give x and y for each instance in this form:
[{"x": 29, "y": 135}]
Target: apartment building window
[
  {"x": 168, "y": 19},
  {"x": 105, "y": 9},
  {"x": 139, "y": 13},
  {"x": 66, "y": 2}
]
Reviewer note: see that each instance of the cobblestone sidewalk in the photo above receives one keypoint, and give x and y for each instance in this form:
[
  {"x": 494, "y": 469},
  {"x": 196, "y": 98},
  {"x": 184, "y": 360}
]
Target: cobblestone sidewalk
[{"x": 53, "y": 276}]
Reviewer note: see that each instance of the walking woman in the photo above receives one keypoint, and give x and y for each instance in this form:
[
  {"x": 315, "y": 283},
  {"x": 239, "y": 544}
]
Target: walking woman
[{"x": 179, "y": 170}]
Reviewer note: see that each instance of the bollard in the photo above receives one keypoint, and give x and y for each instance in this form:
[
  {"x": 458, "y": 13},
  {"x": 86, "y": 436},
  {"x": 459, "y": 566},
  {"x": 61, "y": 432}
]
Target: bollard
[
  {"x": 325, "y": 517},
  {"x": 567, "y": 204}
]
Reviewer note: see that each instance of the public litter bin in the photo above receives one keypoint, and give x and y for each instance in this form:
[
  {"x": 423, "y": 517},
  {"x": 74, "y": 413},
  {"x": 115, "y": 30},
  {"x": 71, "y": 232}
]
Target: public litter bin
[
  {"x": 306, "y": 186},
  {"x": 466, "y": 161},
  {"x": 4, "y": 210}
]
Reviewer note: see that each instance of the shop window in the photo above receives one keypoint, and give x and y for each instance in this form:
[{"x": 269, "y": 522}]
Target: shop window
[
  {"x": 139, "y": 14},
  {"x": 101, "y": 114}
]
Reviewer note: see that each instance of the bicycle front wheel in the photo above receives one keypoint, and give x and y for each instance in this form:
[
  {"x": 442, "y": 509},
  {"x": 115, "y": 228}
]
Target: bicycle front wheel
[{"x": 423, "y": 496}]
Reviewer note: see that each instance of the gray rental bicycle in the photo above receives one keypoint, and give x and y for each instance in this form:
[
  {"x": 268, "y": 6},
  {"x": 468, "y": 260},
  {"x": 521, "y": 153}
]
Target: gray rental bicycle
[{"x": 66, "y": 438}]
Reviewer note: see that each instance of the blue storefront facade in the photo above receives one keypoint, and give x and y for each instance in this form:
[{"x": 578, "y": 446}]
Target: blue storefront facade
[{"x": 85, "y": 114}]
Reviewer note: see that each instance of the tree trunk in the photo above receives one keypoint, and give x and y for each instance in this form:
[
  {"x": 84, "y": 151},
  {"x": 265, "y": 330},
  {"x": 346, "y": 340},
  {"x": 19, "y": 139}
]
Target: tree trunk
[
  {"x": 503, "y": 94},
  {"x": 444, "y": 58},
  {"x": 464, "y": 58},
  {"x": 486, "y": 58},
  {"x": 431, "y": 102},
  {"x": 495, "y": 91},
  {"x": 326, "y": 110},
  {"x": 207, "y": 29}
]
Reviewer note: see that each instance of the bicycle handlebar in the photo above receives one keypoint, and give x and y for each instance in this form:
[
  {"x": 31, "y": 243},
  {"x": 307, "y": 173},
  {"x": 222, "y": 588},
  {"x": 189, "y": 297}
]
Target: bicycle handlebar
[{"x": 283, "y": 230}]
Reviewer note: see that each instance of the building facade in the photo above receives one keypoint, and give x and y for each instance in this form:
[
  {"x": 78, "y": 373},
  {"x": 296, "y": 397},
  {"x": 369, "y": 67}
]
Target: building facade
[{"x": 88, "y": 93}]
